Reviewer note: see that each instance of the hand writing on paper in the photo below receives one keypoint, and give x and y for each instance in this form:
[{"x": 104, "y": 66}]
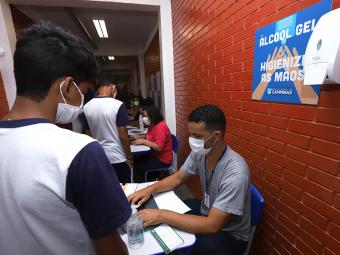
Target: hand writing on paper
[
  {"x": 306, "y": 94},
  {"x": 259, "y": 91},
  {"x": 150, "y": 216},
  {"x": 140, "y": 136},
  {"x": 140, "y": 196},
  {"x": 140, "y": 142}
]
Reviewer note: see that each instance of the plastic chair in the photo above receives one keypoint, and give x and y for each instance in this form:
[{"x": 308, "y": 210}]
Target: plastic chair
[
  {"x": 257, "y": 203},
  {"x": 175, "y": 145}
]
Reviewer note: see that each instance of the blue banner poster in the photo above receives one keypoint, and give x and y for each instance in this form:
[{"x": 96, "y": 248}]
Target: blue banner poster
[{"x": 278, "y": 59}]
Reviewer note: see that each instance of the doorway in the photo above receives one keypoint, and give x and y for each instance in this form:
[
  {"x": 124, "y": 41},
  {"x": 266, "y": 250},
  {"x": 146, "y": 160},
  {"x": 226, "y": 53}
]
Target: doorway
[{"x": 128, "y": 58}]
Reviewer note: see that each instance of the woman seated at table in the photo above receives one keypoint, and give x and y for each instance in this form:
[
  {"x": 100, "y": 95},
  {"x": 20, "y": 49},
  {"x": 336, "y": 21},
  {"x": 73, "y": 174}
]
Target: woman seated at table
[{"x": 158, "y": 138}]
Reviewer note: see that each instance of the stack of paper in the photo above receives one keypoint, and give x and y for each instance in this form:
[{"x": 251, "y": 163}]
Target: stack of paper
[
  {"x": 170, "y": 201},
  {"x": 165, "y": 200},
  {"x": 129, "y": 188},
  {"x": 167, "y": 238}
]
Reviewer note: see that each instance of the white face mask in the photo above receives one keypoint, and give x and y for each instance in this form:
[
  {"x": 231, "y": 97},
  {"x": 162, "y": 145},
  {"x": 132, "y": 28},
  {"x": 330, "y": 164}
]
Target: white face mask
[
  {"x": 197, "y": 145},
  {"x": 115, "y": 91},
  {"x": 135, "y": 103},
  {"x": 67, "y": 113},
  {"x": 146, "y": 121}
]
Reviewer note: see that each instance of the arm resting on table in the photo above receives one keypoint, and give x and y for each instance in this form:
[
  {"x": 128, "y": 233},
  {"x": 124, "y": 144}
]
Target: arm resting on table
[
  {"x": 148, "y": 143},
  {"x": 168, "y": 183},
  {"x": 211, "y": 224}
]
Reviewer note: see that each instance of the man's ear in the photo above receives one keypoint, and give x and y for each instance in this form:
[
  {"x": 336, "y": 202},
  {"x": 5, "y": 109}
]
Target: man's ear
[
  {"x": 65, "y": 89},
  {"x": 219, "y": 134}
]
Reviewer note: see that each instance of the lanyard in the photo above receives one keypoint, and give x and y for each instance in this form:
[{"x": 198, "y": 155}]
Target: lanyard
[{"x": 207, "y": 182}]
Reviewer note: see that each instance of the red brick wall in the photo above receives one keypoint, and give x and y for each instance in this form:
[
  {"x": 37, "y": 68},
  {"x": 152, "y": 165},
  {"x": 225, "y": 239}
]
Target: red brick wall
[
  {"x": 152, "y": 57},
  {"x": 3, "y": 100},
  {"x": 293, "y": 150}
]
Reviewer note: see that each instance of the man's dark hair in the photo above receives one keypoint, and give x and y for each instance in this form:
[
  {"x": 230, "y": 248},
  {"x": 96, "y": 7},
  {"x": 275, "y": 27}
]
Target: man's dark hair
[
  {"x": 154, "y": 114},
  {"x": 211, "y": 115},
  {"x": 146, "y": 102},
  {"x": 104, "y": 80},
  {"x": 44, "y": 53}
]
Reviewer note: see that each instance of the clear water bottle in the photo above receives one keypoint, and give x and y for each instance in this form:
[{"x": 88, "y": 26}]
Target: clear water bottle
[
  {"x": 135, "y": 230},
  {"x": 141, "y": 123}
]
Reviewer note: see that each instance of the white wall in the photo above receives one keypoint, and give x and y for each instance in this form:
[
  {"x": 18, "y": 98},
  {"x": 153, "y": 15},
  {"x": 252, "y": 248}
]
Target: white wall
[
  {"x": 142, "y": 75},
  {"x": 7, "y": 42},
  {"x": 167, "y": 64}
]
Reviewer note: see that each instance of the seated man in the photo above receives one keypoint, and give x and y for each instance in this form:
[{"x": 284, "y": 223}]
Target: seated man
[
  {"x": 58, "y": 192},
  {"x": 222, "y": 220}
]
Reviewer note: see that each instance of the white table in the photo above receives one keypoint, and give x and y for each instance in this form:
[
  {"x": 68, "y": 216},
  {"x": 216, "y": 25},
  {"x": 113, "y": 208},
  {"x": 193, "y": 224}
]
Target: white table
[
  {"x": 151, "y": 246},
  {"x": 136, "y": 131},
  {"x": 136, "y": 151}
]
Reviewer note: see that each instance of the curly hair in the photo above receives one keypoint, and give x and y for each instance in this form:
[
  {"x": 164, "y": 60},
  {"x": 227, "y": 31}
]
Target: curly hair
[
  {"x": 44, "y": 53},
  {"x": 211, "y": 115}
]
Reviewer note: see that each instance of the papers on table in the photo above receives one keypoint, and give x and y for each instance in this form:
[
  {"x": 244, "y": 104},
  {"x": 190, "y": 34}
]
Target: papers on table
[
  {"x": 136, "y": 131},
  {"x": 164, "y": 200},
  {"x": 138, "y": 148},
  {"x": 170, "y": 201},
  {"x": 130, "y": 188},
  {"x": 167, "y": 238},
  {"x": 144, "y": 185}
]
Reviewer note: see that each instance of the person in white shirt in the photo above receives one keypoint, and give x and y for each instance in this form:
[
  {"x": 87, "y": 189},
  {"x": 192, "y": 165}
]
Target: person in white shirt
[
  {"x": 107, "y": 119},
  {"x": 58, "y": 193}
]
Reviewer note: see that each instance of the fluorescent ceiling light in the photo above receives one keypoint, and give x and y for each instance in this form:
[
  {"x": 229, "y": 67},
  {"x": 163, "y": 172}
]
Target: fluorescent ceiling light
[
  {"x": 111, "y": 57},
  {"x": 101, "y": 28}
]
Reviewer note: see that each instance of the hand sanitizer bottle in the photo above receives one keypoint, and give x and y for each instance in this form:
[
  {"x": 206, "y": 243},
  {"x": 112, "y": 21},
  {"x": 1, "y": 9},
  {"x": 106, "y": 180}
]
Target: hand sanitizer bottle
[{"x": 135, "y": 230}]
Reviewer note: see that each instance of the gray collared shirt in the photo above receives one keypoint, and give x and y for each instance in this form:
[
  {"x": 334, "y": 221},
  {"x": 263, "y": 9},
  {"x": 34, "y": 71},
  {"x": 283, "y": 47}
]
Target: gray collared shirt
[{"x": 228, "y": 190}]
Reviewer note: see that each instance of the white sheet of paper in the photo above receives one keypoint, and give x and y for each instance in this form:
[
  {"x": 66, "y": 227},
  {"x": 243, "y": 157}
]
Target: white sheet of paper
[
  {"x": 138, "y": 148},
  {"x": 169, "y": 236},
  {"x": 170, "y": 201},
  {"x": 129, "y": 188},
  {"x": 144, "y": 185}
]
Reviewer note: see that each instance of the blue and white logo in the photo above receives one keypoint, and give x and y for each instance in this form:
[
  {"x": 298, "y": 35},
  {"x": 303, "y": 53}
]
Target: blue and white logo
[
  {"x": 280, "y": 91},
  {"x": 278, "y": 57}
]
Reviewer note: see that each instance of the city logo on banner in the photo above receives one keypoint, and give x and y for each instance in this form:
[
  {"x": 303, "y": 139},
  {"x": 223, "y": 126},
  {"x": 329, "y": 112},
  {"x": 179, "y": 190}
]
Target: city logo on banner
[{"x": 278, "y": 59}]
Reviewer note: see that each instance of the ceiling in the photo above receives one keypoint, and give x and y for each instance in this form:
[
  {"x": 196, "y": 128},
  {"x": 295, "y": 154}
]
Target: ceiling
[{"x": 129, "y": 31}]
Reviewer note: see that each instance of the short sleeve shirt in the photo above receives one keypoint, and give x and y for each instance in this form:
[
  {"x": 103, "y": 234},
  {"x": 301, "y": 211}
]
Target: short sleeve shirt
[
  {"x": 160, "y": 134},
  {"x": 122, "y": 116},
  {"x": 93, "y": 188},
  {"x": 228, "y": 190},
  {"x": 105, "y": 115}
]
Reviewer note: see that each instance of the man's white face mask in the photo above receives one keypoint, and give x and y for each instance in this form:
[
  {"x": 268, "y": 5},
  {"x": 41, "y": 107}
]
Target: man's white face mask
[
  {"x": 114, "y": 94},
  {"x": 67, "y": 113},
  {"x": 197, "y": 145}
]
